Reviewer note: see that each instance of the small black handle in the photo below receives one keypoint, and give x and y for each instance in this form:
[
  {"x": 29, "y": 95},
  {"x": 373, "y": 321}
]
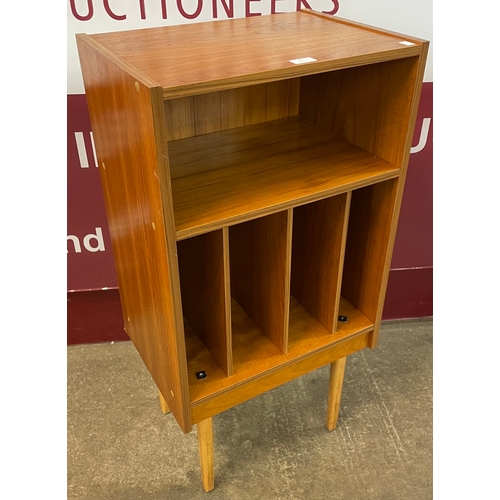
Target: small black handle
[
  {"x": 201, "y": 375},
  {"x": 343, "y": 319}
]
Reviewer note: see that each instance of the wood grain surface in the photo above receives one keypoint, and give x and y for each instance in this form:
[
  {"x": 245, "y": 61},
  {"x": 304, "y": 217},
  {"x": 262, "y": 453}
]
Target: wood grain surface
[
  {"x": 240, "y": 174},
  {"x": 259, "y": 256},
  {"x": 227, "y": 109},
  {"x": 254, "y": 354},
  {"x": 135, "y": 179},
  {"x": 319, "y": 235},
  {"x": 368, "y": 106},
  {"x": 206, "y": 449},
  {"x": 337, "y": 369},
  {"x": 204, "y": 273},
  {"x": 370, "y": 222},
  {"x": 269, "y": 380},
  {"x": 236, "y": 53},
  {"x": 245, "y": 194}
]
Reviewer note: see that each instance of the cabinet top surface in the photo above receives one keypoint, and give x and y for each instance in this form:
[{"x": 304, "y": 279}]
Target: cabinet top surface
[{"x": 222, "y": 54}]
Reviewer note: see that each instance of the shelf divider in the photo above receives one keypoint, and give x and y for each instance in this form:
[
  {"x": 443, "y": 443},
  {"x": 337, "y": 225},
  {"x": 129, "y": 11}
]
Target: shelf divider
[{"x": 206, "y": 301}]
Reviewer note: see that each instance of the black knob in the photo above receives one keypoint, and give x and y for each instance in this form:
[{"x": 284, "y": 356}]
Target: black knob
[
  {"x": 201, "y": 375},
  {"x": 343, "y": 319}
]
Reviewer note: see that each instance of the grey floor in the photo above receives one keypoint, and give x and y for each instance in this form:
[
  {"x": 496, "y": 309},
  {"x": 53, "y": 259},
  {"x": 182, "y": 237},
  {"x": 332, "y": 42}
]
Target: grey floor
[{"x": 275, "y": 446}]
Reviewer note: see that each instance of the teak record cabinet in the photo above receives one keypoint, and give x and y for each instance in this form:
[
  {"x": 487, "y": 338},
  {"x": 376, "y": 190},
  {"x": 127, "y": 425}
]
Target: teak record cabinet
[{"x": 252, "y": 171}]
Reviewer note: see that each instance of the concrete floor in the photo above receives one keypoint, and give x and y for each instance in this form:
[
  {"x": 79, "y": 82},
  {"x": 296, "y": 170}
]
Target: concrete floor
[{"x": 275, "y": 446}]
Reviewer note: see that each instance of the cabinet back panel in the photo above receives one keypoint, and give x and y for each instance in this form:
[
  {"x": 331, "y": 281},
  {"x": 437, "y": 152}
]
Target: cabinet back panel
[
  {"x": 367, "y": 105},
  {"x": 227, "y": 109}
]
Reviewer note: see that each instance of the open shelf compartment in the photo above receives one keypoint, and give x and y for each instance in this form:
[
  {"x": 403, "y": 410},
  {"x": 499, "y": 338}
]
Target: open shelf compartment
[
  {"x": 368, "y": 240},
  {"x": 232, "y": 176},
  {"x": 204, "y": 275},
  {"x": 259, "y": 253},
  {"x": 285, "y": 273},
  {"x": 247, "y": 152},
  {"x": 318, "y": 244}
]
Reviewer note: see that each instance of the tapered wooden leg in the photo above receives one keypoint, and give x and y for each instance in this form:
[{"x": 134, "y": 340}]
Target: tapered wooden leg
[
  {"x": 337, "y": 369},
  {"x": 206, "y": 445},
  {"x": 164, "y": 405}
]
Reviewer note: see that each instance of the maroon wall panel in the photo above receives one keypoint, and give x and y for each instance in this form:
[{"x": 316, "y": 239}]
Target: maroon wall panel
[
  {"x": 413, "y": 246},
  {"x": 409, "y": 294},
  {"x": 95, "y": 316},
  {"x": 90, "y": 259}
]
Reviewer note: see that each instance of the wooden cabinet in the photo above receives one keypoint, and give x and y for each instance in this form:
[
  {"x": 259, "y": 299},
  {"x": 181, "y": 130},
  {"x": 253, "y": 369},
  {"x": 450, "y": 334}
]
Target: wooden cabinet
[{"x": 252, "y": 171}]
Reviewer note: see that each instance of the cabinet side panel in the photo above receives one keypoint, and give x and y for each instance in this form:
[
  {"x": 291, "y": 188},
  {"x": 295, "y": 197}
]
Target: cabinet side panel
[{"x": 129, "y": 149}]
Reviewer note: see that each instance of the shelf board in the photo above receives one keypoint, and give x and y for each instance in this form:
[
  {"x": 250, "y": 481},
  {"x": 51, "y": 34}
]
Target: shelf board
[
  {"x": 255, "y": 355},
  {"x": 236, "y": 175}
]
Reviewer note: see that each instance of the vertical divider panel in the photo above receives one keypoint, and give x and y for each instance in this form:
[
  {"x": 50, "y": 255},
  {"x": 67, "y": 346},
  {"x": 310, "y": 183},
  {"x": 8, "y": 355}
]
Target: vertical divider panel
[
  {"x": 318, "y": 249},
  {"x": 260, "y": 252},
  {"x": 227, "y": 300},
  {"x": 203, "y": 266},
  {"x": 370, "y": 221}
]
